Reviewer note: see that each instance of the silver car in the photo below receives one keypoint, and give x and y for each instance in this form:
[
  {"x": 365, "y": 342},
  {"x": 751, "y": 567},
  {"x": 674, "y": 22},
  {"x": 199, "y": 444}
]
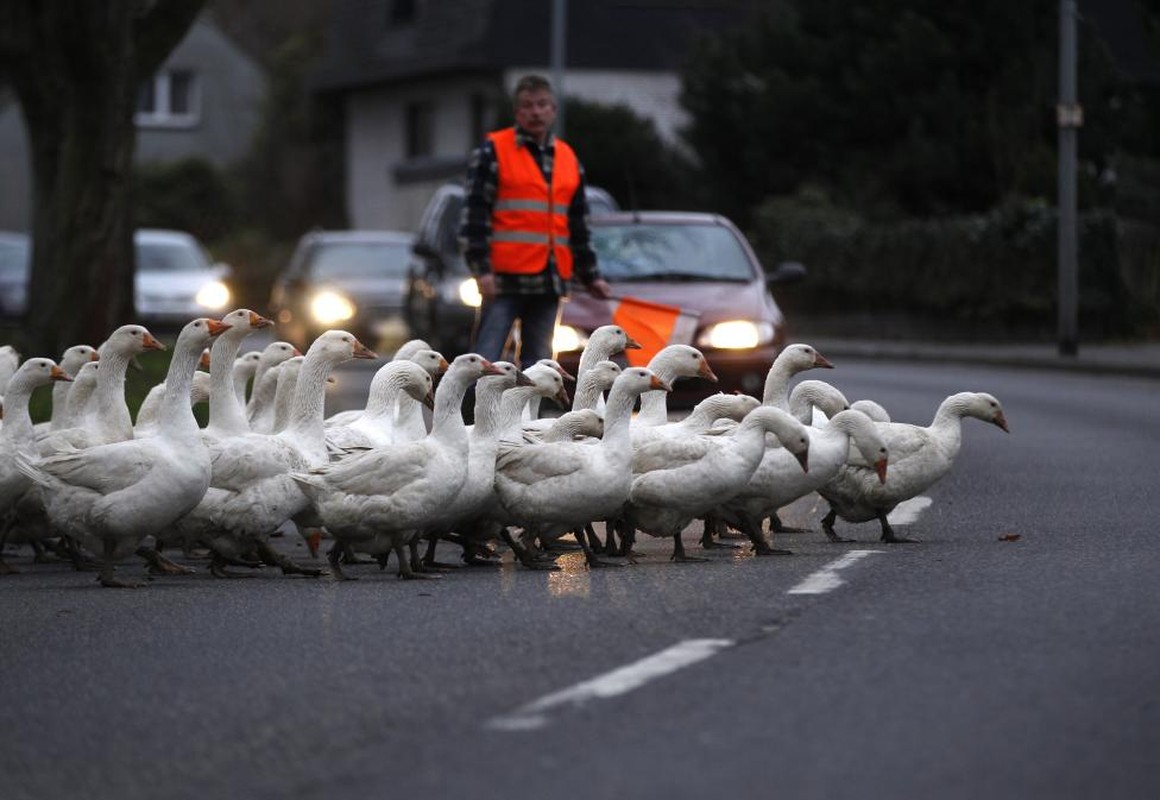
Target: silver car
[{"x": 176, "y": 278}]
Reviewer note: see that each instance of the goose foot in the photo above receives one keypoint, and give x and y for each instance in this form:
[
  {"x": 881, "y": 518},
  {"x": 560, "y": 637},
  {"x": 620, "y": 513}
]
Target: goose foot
[
  {"x": 595, "y": 562},
  {"x": 776, "y": 526},
  {"x": 888, "y": 534},
  {"x": 335, "y": 557},
  {"x": 438, "y": 566},
  {"x": 828, "y": 527},
  {"x": 118, "y": 583},
  {"x": 162, "y": 565},
  {"x": 709, "y": 544},
  {"x": 419, "y": 576},
  {"x": 109, "y": 579},
  {"x": 218, "y": 564},
  {"x": 680, "y": 556},
  {"x": 271, "y": 556}
]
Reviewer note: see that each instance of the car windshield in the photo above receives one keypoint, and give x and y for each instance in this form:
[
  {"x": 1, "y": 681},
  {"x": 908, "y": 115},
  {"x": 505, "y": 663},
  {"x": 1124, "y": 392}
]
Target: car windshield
[
  {"x": 170, "y": 257},
  {"x": 359, "y": 259},
  {"x": 640, "y": 252}
]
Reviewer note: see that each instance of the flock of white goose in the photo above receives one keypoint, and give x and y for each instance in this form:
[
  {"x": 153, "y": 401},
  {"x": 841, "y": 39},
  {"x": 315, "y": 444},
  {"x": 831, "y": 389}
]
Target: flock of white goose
[{"x": 99, "y": 487}]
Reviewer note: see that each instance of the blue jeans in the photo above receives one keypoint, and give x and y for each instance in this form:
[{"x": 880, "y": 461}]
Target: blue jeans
[{"x": 537, "y": 314}]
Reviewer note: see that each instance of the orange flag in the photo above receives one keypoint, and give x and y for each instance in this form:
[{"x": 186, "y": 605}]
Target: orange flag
[{"x": 653, "y": 325}]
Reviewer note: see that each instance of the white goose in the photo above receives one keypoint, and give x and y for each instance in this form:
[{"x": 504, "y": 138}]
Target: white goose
[
  {"x": 106, "y": 417},
  {"x": 9, "y": 363},
  {"x": 430, "y": 360},
  {"x": 455, "y": 521},
  {"x": 227, "y": 413},
  {"x": 18, "y": 435},
  {"x": 377, "y": 501},
  {"x": 919, "y": 457},
  {"x": 669, "y": 364},
  {"x": 245, "y": 368},
  {"x": 778, "y": 480},
  {"x": 674, "y": 481},
  {"x": 553, "y": 488},
  {"x": 149, "y": 414},
  {"x": 272, "y": 355},
  {"x": 71, "y": 362},
  {"x": 375, "y": 426},
  {"x": 112, "y": 496},
  {"x": 251, "y": 493}
]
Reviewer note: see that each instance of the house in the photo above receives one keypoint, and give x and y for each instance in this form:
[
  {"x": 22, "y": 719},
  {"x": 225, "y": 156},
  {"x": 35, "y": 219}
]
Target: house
[
  {"x": 420, "y": 82},
  {"x": 205, "y": 101}
]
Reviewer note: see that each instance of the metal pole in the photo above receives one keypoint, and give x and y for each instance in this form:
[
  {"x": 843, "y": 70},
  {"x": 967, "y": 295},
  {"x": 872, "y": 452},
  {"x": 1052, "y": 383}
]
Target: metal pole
[
  {"x": 559, "y": 40},
  {"x": 1069, "y": 118}
]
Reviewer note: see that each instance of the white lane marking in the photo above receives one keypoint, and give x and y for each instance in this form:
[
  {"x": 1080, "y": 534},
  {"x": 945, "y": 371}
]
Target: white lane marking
[
  {"x": 619, "y": 681},
  {"x": 908, "y": 511},
  {"x": 827, "y": 579}
]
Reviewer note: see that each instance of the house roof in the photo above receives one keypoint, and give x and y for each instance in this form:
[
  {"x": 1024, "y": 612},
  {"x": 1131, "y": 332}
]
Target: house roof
[{"x": 489, "y": 35}]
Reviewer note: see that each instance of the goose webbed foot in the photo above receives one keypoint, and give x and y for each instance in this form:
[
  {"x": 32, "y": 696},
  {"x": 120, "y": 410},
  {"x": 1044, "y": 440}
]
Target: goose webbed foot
[
  {"x": 431, "y": 564},
  {"x": 108, "y": 578},
  {"x": 888, "y": 534},
  {"x": 348, "y": 556},
  {"x": 272, "y": 557},
  {"x": 828, "y": 527},
  {"x": 334, "y": 558},
  {"x": 218, "y": 564},
  {"x": 162, "y": 565},
  {"x": 525, "y": 557},
  {"x": 680, "y": 556},
  {"x": 777, "y": 526}
]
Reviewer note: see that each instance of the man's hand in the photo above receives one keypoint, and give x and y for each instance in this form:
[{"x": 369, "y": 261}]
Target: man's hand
[
  {"x": 486, "y": 284},
  {"x": 599, "y": 288}
]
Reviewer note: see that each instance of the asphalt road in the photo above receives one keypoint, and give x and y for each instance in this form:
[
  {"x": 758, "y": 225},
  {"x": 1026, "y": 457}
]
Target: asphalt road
[{"x": 965, "y": 666}]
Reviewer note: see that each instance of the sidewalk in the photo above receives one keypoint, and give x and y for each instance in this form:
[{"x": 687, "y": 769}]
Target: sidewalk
[{"x": 1131, "y": 359}]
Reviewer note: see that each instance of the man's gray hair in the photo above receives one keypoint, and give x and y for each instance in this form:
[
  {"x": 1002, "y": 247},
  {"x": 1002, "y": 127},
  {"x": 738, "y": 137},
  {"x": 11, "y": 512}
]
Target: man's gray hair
[{"x": 532, "y": 83}]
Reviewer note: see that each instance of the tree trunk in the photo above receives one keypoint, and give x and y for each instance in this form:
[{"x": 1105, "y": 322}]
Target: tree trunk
[{"x": 76, "y": 67}]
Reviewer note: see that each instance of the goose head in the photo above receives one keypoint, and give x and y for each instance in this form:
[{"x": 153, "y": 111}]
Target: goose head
[{"x": 681, "y": 361}]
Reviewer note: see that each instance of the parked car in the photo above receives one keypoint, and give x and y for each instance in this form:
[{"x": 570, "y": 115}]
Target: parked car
[
  {"x": 698, "y": 262},
  {"x": 176, "y": 278},
  {"x": 354, "y": 280},
  {"x": 14, "y": 255},
  {"x": 441, "y": 295}
]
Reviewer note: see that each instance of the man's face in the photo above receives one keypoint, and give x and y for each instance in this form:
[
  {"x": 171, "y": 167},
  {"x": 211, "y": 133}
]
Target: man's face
[{"x": 535, "y": 112}]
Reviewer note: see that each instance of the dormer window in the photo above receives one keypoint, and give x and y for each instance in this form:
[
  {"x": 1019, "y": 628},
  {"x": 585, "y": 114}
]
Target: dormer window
[{"x": 171, "y": 100}]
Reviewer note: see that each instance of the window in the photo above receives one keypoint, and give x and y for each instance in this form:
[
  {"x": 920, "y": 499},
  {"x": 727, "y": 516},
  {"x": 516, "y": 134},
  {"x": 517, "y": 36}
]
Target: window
[
  {"x": 171, "y": 99},
  {"x": 420, "y": 129}
]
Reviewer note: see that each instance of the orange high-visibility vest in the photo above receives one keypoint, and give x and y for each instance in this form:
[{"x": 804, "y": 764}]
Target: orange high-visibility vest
[{"x": 530, "y": 218}]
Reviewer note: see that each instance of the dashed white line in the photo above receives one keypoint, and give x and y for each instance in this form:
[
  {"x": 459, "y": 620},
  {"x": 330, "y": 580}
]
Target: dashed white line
[
  {"x": 610, "y": 684},
  {"x": 633, "y": 676},
  {"x": 827, "y": 579}
]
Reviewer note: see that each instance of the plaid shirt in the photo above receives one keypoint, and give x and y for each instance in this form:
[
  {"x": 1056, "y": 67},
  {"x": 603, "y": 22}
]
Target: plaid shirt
[{"x": 475, "y": 224}]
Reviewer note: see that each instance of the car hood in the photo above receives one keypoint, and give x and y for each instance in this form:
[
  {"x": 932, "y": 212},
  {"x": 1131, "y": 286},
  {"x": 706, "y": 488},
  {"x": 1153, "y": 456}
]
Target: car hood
[
  {"x": 374, "y": 289},
  {"x": 174, "y": 284},
  {"x": 713, "y": 301}
]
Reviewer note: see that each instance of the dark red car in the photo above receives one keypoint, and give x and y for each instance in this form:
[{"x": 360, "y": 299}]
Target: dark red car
[{"x": 702, "y": 264}]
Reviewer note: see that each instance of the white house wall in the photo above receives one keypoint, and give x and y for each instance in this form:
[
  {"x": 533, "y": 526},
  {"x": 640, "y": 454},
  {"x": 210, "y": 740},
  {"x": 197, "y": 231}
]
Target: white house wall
[{"x": 376, "y": 122}]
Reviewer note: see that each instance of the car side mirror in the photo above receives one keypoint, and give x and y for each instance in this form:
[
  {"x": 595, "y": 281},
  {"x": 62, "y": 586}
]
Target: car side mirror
[{"x": 786, "y": 272}]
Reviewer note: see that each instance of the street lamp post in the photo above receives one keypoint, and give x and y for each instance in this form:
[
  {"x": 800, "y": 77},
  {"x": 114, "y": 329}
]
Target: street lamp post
[
  {"x": 559, "y": 41},
  {"x": 1069, "y": 118}
]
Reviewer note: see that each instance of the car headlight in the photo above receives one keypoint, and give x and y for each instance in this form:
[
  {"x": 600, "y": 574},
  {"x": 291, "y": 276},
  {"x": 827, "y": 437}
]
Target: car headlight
[
  {"x": 329, "y": 307},
  {"x": 737, "y": 334},
  {"x": 215, "y": 296},
  {"x": 469, "y": 293},
  {"x": 567, "y": 339}
]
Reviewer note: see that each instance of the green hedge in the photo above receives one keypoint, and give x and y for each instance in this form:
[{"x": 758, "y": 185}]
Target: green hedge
[{"x": 992, "y": 274}]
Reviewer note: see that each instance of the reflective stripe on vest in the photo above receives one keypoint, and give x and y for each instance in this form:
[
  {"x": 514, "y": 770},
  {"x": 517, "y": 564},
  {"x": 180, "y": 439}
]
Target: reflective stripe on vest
[{"x": 530, "y": 219}]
